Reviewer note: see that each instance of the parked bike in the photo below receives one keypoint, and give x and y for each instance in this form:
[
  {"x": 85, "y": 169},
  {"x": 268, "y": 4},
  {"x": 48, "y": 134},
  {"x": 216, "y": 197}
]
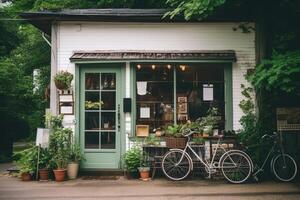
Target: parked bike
[
  {"x": 283, "y": 166},
  {"x": 235, "y": 165}
]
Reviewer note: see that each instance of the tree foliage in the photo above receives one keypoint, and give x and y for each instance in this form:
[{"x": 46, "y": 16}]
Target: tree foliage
[
  {"x": 279, "y": 74},
  {"x": 198, "y": 9}
]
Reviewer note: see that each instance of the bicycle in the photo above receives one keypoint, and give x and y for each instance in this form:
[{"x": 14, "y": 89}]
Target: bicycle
[
  {"x": 235, "y": 165},
  {"x": 283, "y": 166}
]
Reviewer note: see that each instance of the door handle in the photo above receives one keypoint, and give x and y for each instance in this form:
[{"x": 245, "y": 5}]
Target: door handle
[{"x": 119, "y": 117}]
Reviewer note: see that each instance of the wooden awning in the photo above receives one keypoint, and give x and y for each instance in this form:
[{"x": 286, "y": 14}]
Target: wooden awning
[{"x": 224, "y": 55}]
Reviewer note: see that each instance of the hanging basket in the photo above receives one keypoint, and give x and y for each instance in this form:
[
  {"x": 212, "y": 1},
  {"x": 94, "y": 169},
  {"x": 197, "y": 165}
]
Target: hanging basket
[
  {"x": 61, "y": 86},
  {"x": 175, "y": 143}
]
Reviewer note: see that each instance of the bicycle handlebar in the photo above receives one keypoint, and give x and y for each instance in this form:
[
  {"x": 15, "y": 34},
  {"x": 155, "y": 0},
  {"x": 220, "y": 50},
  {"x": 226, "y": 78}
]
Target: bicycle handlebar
[{"x": 274, "y": 135}]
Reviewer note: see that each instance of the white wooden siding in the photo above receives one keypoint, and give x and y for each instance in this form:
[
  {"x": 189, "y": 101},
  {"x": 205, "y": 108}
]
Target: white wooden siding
[{"x": 88, "y": 36}]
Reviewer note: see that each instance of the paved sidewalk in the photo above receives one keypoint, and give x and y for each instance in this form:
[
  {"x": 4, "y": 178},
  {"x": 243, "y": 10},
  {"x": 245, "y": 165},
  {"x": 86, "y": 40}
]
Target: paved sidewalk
[{"x": 12, "y": 188}]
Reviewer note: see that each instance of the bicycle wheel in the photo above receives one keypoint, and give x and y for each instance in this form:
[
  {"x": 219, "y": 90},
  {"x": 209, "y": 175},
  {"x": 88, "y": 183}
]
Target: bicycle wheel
[
  {"x": 236, "y": 167},
  {"x": 176, "y": 165},
  {"x": 284, "y": 167}
]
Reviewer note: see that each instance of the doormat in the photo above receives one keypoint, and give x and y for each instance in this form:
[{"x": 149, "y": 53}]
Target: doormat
[{"x": 100, "y": 177}]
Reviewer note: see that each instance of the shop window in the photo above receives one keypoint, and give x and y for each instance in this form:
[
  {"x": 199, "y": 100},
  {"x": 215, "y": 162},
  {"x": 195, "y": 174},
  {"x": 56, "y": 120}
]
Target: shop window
[
  {"x": 154, "y": 96},
  {"x": 199, "y": 87}
]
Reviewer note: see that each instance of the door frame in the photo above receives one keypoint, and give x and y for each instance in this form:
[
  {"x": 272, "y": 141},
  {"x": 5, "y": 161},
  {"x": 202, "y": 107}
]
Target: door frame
[{"x": 78, "y": 70}]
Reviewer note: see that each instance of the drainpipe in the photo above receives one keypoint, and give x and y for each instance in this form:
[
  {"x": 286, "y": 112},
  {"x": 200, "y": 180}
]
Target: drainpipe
[{"x": 44, "y": 37}]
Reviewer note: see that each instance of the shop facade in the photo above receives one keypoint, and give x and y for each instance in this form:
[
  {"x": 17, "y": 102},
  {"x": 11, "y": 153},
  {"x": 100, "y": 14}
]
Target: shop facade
[{"x": 146, "y": 72}]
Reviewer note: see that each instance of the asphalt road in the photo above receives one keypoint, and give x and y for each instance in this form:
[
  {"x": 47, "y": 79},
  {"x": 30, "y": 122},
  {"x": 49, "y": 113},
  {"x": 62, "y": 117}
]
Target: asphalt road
[{"x": 14, "y": 189}]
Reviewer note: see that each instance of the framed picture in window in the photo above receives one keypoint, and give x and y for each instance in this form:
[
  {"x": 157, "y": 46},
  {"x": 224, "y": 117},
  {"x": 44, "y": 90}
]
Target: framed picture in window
[
  {"x": 182, "y": 117},
  {"x": 182, "y": 104}
]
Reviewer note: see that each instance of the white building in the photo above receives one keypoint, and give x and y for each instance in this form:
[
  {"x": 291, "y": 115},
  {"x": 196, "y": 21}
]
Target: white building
[{"x": 165, "y": 71}]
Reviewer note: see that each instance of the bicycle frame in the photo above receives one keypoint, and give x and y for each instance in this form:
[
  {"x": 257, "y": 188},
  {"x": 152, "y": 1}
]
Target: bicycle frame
[
  {"x": 272, "y": 150},
  {"x": 209, "y": 166}
]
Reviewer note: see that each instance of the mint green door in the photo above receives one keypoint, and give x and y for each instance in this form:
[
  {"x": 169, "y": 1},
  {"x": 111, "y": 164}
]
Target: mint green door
[{"x": 100, "y": 129}]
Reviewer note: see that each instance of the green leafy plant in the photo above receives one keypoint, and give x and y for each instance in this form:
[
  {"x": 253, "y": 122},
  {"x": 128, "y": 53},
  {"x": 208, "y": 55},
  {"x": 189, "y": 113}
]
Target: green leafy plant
[
  {"x": 132, "y": 158},
  {"x": 27, "y": 161},
  {"x": 173, "y": 130},
  {"x": 75, "y": 154},
  {"x": 59, "y": 146},
  {"x": 144, "y": 160},
  {"x": 56, "y": 122},
  {"x": 152, "y": 140},
  {"x": 45, "y": 159},
  {"x": 63, "y": 80},
  {"x": 210, "y": 121},
  {"x": 198, "y": 140},
  {"x": 93, "y": 105}
]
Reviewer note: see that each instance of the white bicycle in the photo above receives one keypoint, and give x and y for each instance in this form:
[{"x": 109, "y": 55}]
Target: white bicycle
[{"x": 235, "y": 165}]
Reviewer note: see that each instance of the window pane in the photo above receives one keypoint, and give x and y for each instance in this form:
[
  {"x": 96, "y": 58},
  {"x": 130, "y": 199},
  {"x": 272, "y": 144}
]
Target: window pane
[
  {"x": 108, "y": 140},
  {"x": 92, "y": 81},
  {"x": 109, "y": 100},
  {"x": 108, "y": 81},
  {"x": 92, "y": 101},
  {"x": 108, "y": 120},
  {"x": 91, "y": 120},
  {"x": 91, "y": 140},
  {"x": 199, "y": 87},
  {"x": 154, "y": 97}
]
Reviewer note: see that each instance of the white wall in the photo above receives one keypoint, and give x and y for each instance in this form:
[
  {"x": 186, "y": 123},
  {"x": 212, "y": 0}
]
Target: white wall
[{"x": 74, "y": 36}]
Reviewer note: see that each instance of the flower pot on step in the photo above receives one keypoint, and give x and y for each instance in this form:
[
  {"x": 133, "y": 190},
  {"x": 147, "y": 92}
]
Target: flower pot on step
[
  {"x": 59, "y": 174},
  {"x": 26, "y": 176},
  {"x": 44, "y": 174},
  {"x": 72, "y": 170},
  {"x": 144, "y": 172}
]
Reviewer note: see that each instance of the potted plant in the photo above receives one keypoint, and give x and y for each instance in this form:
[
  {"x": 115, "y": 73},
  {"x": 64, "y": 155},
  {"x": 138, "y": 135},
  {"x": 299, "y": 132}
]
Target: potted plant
[
  {"x": 59, "y": 146},
  {"x": 210, "y": 122},
  {"x": 27, "y": 162},
  {"x": 173, "y": 136},
  {"x": 63, "y": 80},
  {"x": 152, "y": 140},
  {"x": 144, "y": 168},
  {"x": 44, "y": 164},
  {"x": 75, "y": 157},
  {"x": 132, "y": 160}
]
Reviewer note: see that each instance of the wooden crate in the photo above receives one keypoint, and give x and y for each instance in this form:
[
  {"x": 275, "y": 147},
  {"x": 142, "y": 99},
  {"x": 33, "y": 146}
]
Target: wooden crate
[{"x": 142, "y": 130}]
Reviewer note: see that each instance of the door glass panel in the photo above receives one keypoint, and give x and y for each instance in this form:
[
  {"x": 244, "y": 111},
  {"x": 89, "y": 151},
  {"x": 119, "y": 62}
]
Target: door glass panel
[
  {"x": 109, "y": 100},
  {"x": 91, "y": 120},
  {"x": 92, "y": 101},
  {"x": 92, "y": 81},
  {"x": 108, "y": 120},
  {"x": 108, "y": 140},
  {"x": 92, "y": 140},
  {"x": 108, "y": 81},
  {"x": 100, "y": 111}
]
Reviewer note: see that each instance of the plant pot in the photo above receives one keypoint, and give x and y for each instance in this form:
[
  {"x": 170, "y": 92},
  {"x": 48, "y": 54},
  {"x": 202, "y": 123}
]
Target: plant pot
[
  {"x": 60, "y": 85},
  {"x": 173, "y": 142},
  {"x": 59, "y": 174},
  {"x": 44, "y": 174},
  {"x": 144, "y": 172},
  {"x": 132, "y": 175},
  {"x": 72, "y": 170},
  {"x": 25, "y": 176}
]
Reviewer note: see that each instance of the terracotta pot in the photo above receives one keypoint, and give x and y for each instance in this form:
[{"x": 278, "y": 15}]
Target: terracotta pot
[
  {"x": 72, "y": 170},
  {"x": 26, "y": 176},
  {"x": 44, "y": 174},
  {"x": 144, "y": 172},
  {"x": 59, "y": 174}
]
